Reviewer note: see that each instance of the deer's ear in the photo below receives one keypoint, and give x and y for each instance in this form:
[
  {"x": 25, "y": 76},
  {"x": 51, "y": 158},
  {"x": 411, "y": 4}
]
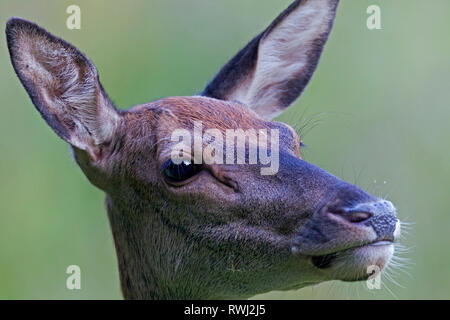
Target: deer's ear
[
  {"x": 271, "y": 72},
  {"x": 63, "y": 85}
]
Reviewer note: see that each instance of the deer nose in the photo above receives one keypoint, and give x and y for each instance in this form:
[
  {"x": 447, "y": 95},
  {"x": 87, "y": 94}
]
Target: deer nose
[{"x": 380, "y": 215}]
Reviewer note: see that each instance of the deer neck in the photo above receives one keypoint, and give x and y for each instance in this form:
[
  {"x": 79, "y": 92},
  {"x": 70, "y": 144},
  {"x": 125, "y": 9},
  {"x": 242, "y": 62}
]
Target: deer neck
[{"x": 156, "y": 259}]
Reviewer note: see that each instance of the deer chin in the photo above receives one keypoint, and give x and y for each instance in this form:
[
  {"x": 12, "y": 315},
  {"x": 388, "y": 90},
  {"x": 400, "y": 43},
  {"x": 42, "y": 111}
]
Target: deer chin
[{"x": 356, "y": 264}]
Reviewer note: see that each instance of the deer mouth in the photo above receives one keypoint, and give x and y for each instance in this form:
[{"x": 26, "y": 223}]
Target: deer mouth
[
  {"x": 325, "y": 261},
  {"x": 356, "y": 263}
]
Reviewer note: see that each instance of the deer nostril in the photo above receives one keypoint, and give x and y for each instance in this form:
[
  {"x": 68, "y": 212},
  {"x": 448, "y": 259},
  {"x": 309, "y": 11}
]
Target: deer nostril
[
  {"x": 353, "y": 216},
  {"x": 356, "y": 217}
]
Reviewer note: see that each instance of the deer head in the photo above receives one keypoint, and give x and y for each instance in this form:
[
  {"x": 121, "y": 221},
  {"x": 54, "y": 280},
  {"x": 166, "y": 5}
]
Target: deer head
[{"x": 205, "y": 229}]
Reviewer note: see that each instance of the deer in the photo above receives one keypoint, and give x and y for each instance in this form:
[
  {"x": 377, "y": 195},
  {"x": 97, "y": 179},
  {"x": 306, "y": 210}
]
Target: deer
[{"x": 184, "y": 230}]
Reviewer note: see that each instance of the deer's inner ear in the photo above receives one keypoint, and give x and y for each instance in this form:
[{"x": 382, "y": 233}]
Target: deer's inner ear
[
  {"x": 63, "y": 85},
  {"x": 270, "y": 73}
]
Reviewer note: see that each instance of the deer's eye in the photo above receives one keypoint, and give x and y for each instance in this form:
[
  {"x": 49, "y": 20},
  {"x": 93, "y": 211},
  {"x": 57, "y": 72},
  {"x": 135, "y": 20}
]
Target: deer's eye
[
  {"x": 302, "y": 144},
  {"x": 177, "y": 173}
]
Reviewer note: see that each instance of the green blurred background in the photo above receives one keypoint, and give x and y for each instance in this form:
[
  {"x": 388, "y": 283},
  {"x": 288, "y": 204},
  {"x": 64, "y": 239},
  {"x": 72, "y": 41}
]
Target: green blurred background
[{"x": 382, "y": 98}]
